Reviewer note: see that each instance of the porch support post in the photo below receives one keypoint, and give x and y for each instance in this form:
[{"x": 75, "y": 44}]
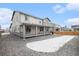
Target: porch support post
[
  {"x": 36, "y": 31},
  {"x": 24, "y": 32},
  {"x": 44, "y": 30},
  {"x": 53, "y": 30}
]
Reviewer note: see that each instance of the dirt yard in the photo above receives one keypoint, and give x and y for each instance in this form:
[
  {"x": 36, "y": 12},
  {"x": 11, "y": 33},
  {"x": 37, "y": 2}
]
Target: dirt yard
[{"x": 12, "y": 45}]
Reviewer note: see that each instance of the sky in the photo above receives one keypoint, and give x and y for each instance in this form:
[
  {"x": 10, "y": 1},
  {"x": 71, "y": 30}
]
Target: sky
[{"x": 64, "y": 14}]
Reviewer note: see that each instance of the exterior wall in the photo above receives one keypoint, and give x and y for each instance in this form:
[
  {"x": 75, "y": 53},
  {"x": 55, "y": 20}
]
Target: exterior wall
[
  {"x": 34, "y": 20},
  {"x": 46, "y": 22},
  {"x": 52, "y": 29},
  {"x": 22, "y": 18},
  {"x": 15, "y": 23},
  {"x": 30, "y": 20},
  {"x": 33, "y": 30}
]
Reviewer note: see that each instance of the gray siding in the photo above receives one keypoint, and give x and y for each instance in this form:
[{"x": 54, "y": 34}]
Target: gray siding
[{"x": 20, "y": 18}]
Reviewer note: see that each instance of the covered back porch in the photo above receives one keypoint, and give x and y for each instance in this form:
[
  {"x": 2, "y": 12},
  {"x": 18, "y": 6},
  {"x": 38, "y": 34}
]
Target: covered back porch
[{"x": 29, "y": 30}]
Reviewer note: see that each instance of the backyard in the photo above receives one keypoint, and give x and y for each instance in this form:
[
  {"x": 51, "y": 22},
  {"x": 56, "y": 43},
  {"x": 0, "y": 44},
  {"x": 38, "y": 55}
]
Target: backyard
[{"x": 11, "y": 45}]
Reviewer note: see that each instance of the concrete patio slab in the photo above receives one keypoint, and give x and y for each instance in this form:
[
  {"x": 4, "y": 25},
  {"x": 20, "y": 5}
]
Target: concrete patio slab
[{"x": 49, "y": 45}]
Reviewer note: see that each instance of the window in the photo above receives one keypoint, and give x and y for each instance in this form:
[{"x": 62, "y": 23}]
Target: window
[
  {"x": 41, "y": 28},
  {"x": 57, "y": 29},
  {"x": 28, "y": 29}
]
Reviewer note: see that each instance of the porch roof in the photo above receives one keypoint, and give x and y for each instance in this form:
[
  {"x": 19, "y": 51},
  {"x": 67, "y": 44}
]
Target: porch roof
[{"x": 35, "y": 25}]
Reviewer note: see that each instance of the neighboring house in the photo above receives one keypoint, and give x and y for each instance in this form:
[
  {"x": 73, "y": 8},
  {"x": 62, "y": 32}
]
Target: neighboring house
[
  {"x": 60, "y": 28},
  {"x": 65, "y": 28},
  {"x": 75, "y": 27},
  {"x": 26, "y": 25}
]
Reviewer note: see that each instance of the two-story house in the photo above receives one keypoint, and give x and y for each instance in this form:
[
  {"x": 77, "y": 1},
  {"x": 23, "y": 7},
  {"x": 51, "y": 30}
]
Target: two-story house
[{"x": 26, "y": 25}]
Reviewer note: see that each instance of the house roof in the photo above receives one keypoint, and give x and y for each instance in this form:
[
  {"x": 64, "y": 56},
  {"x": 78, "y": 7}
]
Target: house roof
[
  {"x": 10, "y": 25},
  {"x": 28, "y": 15},
  {"x": 12, "y": 15},
  {"x": 48, "y": 19},
  {"x": 25, "y": 14}
]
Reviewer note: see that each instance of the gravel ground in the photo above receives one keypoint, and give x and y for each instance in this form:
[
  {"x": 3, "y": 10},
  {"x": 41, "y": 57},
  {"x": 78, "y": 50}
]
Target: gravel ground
[{"x": 12, "y": 45}]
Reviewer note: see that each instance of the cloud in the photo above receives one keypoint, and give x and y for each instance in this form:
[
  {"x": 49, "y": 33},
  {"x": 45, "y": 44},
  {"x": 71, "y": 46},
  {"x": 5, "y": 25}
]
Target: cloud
[
  {"x": 73, "y": 21},
  {"x": 67, "y": 7},
  {"x": 70, "y": 1},
  {"x": 58, "y": 9},
  {"x": 5, "y": 16},
  {"x": 73, "y": 6}
]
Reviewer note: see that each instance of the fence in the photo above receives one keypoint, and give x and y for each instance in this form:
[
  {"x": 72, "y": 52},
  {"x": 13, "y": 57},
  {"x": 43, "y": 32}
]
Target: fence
[{"x": 67, "y": 33}]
